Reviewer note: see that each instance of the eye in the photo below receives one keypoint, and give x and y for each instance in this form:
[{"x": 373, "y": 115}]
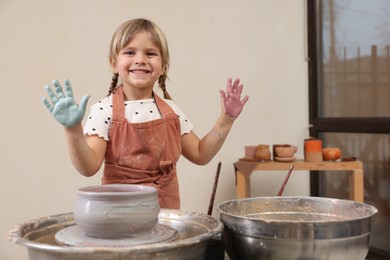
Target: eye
[
  {"x": 151, "y": 54},
  {"x": 130, "y": 53}
]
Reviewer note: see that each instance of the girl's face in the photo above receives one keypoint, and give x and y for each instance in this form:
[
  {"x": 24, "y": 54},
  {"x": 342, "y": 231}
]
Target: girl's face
[{"x": 139, "y": 64}]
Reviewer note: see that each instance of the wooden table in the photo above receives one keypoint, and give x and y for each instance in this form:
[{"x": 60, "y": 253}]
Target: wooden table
[{"x": 244, "y": 169}]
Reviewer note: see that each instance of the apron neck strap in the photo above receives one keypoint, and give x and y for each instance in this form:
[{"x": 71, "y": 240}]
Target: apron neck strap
[
  {"x": 164, "y": 108},
  {"x": 118, "y": 104}
]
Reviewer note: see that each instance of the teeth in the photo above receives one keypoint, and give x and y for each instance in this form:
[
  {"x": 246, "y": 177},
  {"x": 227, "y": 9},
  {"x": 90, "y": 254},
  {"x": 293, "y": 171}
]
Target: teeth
[{"x": 139, "y": 71}]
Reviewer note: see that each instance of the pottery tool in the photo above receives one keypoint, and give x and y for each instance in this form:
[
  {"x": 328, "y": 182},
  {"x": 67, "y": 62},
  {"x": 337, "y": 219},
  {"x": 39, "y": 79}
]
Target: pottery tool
[
  {"x": 285, "y": 180},
  {"x": 211, "y": 204}
]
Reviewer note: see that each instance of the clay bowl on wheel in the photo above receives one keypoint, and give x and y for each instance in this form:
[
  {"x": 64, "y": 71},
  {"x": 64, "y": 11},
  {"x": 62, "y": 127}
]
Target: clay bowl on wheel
[{"x": 116, "y": 210}]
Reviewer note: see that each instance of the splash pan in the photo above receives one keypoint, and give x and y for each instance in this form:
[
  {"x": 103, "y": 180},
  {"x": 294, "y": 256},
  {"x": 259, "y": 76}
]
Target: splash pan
[{"x": 193, "y": 229}]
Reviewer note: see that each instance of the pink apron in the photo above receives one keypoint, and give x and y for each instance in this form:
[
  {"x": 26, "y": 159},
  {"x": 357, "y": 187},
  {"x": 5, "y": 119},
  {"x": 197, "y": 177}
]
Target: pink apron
[{"x": 144, "y": 153}]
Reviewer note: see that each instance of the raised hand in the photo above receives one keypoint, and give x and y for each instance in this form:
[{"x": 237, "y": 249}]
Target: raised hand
[
  {"x": 62, "y": 105},
  {"x": 232, "y": 104}
]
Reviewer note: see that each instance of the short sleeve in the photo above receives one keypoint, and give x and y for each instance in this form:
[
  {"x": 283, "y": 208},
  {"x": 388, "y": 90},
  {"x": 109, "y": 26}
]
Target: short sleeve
[
  {"x": 98, "y": 121},
  {"x": 185, "y": 124}
]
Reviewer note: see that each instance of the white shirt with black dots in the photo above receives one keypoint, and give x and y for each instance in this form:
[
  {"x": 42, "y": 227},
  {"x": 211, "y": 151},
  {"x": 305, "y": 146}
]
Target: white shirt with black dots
[{"x": 138, "y": 111}]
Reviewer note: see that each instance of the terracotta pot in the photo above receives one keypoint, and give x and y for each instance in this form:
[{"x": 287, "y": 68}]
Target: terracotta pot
[
  {"x": 250, "y": 151},
  {"x": 116, "y": 210},
  {"x": 285, "y": 150},
  {"x": 263, "y": 152},
  {"x": 331, "y": 154}
]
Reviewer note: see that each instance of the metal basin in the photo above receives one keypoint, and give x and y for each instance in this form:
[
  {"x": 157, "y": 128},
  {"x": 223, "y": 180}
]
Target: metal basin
[
  {"x": 296, "y": 228},
  {"x": 195, "y": 230}
]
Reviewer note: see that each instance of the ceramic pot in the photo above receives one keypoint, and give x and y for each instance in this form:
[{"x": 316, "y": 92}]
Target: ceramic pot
[
  {"x": 250, "y": 151},
  {"x": 116, "y": 210},
  {"x": 331, "y": 154},
  {"x": 285, "y": 150},
  {"x": 263, "y": 152},
  {"x": 313, "y": 150}
]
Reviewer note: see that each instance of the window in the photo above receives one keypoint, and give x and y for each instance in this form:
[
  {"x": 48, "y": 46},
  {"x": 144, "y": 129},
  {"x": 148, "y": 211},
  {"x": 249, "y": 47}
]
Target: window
[{"x": 349, "y": 97}]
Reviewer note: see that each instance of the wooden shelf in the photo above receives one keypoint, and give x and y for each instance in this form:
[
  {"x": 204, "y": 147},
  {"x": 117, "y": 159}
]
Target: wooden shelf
[{"x": 244, "y": 169}]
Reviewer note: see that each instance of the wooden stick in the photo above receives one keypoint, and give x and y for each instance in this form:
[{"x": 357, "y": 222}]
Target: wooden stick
[
  {"x": 211, "y": 204},
  {"x": 285, "y": 180}
]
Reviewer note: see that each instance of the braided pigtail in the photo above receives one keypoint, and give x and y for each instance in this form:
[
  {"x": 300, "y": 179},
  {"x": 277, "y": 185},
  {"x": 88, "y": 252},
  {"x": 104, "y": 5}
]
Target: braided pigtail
[
  {"x": 114, "y": 83},
  {"x": 161, "y": 83}
]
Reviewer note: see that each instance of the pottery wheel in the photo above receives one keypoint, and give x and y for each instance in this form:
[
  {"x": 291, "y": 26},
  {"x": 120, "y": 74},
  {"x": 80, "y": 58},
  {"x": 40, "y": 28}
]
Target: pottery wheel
[{"x": 74, "y": 236}]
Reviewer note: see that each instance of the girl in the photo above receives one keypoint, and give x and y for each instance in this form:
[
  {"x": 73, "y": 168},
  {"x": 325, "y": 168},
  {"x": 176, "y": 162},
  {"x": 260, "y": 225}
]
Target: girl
[{"x": 137, "y": 134}]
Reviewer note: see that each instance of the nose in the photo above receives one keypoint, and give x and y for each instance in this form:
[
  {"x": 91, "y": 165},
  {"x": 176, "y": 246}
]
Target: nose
[{"x": 140, "y": 59}]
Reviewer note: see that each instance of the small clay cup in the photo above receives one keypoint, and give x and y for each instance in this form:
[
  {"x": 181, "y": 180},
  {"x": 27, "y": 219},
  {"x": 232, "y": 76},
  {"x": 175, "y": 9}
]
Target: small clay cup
[
  {"x": 250, "y": 151},
  {"x": 285, "y": 150},
  {"x": 331, "y": 153},
  {"x": 263, "y": 152},
  {"x": 116, "y": 210}
]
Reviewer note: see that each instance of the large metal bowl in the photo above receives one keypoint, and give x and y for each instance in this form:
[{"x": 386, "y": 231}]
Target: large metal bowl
[
  {"x": 195, "y": 231},
  {"x": 296, "y": 228}
]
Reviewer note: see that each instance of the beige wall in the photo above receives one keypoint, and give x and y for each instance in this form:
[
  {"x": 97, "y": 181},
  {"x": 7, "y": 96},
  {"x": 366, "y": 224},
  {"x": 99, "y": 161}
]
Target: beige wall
[{"x": 260, "y": 41}]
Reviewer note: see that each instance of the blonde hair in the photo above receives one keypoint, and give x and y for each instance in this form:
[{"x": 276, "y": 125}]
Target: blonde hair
[{"x": 125, "y": 33}]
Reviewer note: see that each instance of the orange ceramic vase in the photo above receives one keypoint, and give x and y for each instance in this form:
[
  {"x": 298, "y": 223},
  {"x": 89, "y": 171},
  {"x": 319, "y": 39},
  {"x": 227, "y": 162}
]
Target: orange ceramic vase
[{"x": 313, "y": 150}]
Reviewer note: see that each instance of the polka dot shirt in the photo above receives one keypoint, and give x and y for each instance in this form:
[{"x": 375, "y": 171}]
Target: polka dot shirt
[{"x": 138, "y": 111}]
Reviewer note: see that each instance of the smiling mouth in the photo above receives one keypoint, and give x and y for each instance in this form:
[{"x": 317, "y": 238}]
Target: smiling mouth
[{"x": 139, "y": 71}]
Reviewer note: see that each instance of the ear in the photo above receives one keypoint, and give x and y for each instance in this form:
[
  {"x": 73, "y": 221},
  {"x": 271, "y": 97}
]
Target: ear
[
  {"x": 164, "y": 70},
  {"x": 113, "y": 65}
]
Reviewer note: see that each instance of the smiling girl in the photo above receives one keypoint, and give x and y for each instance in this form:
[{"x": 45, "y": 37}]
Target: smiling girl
[{"x": 138, "y": 135}]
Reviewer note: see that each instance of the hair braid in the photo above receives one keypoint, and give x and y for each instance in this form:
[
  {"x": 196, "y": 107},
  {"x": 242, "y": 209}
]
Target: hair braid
[
  {"x": 161, "y": 83},
  {"x": 114, "y": 83}
]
